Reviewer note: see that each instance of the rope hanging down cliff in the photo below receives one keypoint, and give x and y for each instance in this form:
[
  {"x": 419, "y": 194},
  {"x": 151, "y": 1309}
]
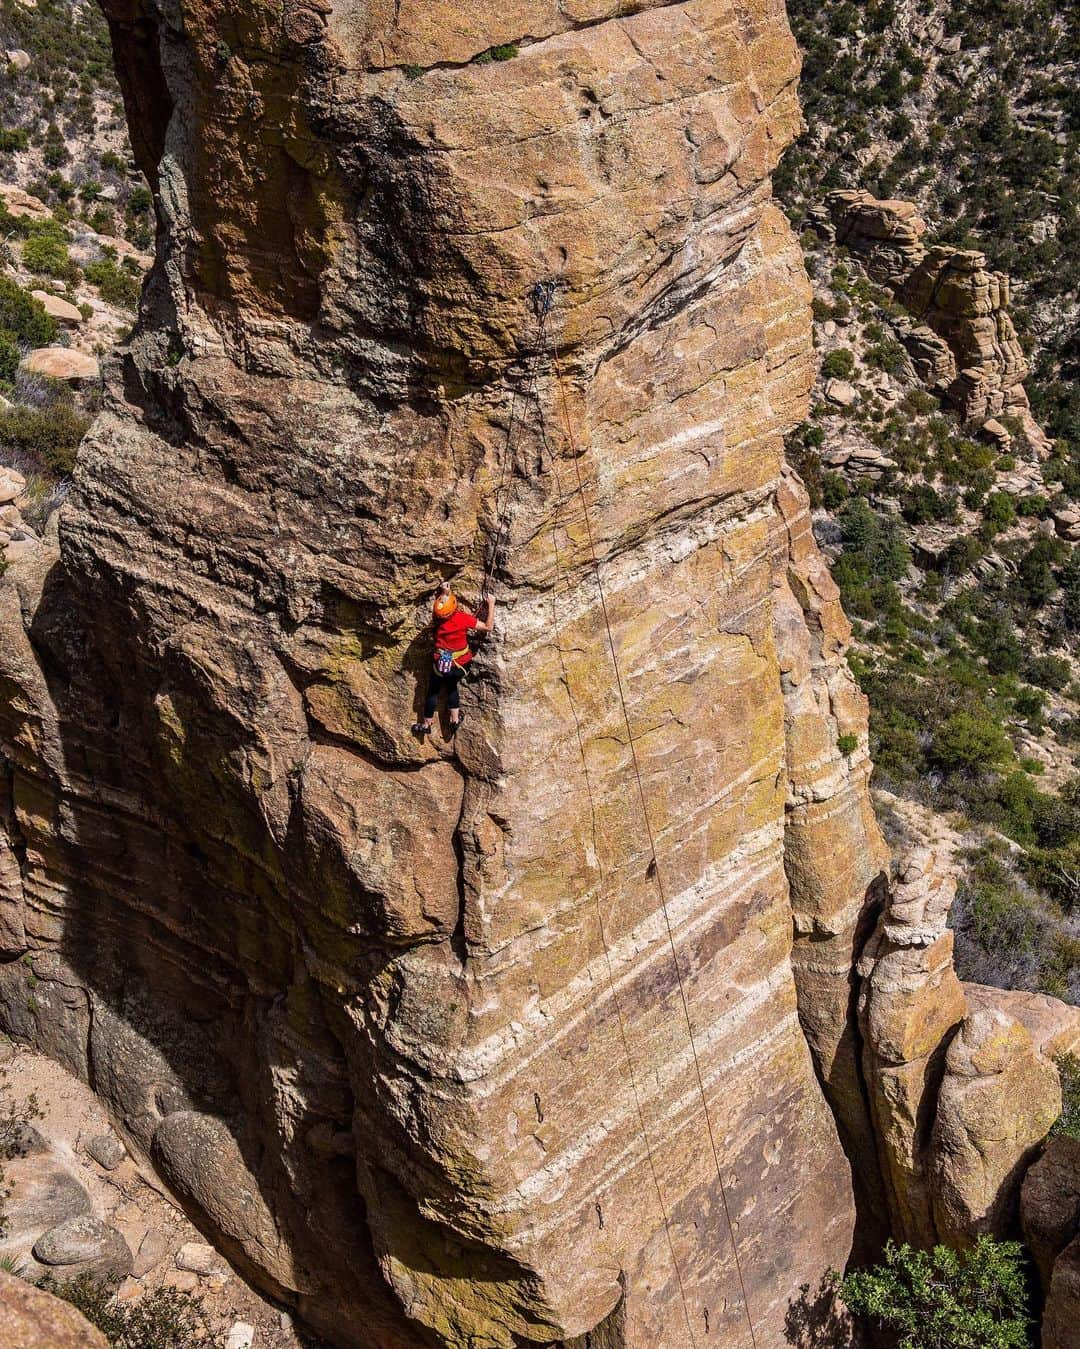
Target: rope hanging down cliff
[{"x": 654, "y": 868}]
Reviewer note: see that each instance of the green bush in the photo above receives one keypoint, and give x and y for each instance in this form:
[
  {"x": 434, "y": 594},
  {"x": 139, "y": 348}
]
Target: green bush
[
  {"x": 946, "y": 1299},
  {"x": 50, "y": 435},
  {"x": 165, "y": 1318},
  {"x": 23, "y": 317},
  {"x": 1048, "y": 672},
  {"x": 117, "y": 285},
  {"x": 506, "y": 52},
  {"x": 12, "y": 139},
  {"x": 847, "y": 743},
  {"x": 48, "y": 255},
  {"x": 969, "y": 742},
  {"x": 1068, "y": 1121},
  {"x": 838, "y": 364}
]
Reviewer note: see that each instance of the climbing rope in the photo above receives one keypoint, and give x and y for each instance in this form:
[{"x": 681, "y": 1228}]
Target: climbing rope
[
  {"x": 543, "y": 297},
  {"x": 601, "y": 928},
  {"x": 654, "y": 868}
]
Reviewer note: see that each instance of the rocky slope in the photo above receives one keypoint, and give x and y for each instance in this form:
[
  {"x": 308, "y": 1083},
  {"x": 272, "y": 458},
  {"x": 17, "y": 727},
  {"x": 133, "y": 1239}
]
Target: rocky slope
[{"x": 409, "y": 1028}]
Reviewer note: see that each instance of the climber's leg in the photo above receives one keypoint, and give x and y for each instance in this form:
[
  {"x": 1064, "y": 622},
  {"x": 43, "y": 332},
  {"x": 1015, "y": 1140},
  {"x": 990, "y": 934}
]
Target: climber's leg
[
  {"x": 431, "y": 702},
  {"x": 453, "y": 699}
]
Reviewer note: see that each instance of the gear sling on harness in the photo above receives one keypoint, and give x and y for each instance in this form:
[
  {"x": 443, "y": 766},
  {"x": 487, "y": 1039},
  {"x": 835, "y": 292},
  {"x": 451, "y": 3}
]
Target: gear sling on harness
[
  {"x": 543, "y": 297},
  {"x": 445, "y": 661}
]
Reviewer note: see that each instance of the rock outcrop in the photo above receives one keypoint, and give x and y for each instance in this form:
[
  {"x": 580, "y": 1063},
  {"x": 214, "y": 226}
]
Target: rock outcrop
[
  {"x": 960, "y": 337},
  {"x": 1050, "y": 1210},
  {"x": 419, "y": 1003},
  {"x": 30, "y": 1318},
  {"x": 411, "y": 1028}
]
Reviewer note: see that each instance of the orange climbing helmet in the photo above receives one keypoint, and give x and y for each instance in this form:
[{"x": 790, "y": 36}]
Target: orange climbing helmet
[{"x": 445, "y": 605}]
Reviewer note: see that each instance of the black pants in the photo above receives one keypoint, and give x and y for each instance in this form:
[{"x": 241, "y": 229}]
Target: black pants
[{"x": 439, "y": 682}]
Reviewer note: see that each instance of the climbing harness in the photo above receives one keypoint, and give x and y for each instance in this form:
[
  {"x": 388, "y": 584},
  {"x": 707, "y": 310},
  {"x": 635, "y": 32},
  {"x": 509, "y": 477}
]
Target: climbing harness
[
  {"x": 445, "y": 661},
  {"x": 543, "y": 298}
]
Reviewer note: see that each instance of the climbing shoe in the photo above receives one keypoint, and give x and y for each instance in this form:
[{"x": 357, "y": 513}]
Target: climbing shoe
[
  {"x": 421, "y": 730},
  {"x": 455, "y": 726}
]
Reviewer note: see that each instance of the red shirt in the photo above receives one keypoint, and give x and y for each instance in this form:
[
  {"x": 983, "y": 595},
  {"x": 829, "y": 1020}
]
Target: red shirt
[{"x": 452, "y": 634}]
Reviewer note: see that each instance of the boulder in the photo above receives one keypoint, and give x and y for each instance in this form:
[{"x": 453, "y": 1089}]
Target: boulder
[
  {"x": 106, "y": 1150},
  {"x": 42, "y": 1193},
  {"x": 241, "y": 1336},
  {"x": 19, "y": 202},
  {"x": 85, "y": 1245},
  {"x": 12, "y": 485},
  {"x": 57, "y": 308},
  {"x": 1050, "y": 1203},
  {"x": 19, "y": 59},
  {"x": 997, "y": 1102},
  {"x": 840, "y": 392},
  {"x": 63, "y": 363},
  {"x": 1054, "y": 1026},
  {"x": 197, "y": 1257},
  {"x": 153, "y": 1249},
  {"x": 1061, "y": 1315},
  {"x": 30, "y": 1318},
  {"x": 201, "y": 1160},
  {"x": 996, "y": 433}
]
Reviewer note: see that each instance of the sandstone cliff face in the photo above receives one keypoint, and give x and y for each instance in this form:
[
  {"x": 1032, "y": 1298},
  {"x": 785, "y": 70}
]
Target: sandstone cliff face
[
  {"x": 401, "y": 1024},
  {"x": 348, "y": 992}
]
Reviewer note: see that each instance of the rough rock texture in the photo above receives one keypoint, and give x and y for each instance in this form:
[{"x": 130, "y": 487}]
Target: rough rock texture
[
  {"x": 1062, "y": 1310},
  {"x": 997, "y": 1101},
  {"x": 286, "y": 942},
  {"x": 910, "y": 1003},
  {"x": 84, "y": 1245},
  {"x": 33, "y": 1319},
  {"x": 1050, "y": 1203},
  {"x": 962, "y": 339},
  {"x": 405, "y": 1026}
]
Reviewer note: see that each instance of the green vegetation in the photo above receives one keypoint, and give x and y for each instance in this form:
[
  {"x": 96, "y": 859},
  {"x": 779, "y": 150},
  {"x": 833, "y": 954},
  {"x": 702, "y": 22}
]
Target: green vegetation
[
  {"x": 988, "y": 158},
  {"x": 504, "y": 53},
  {"x": 839, "y": 364},
  {"x": 45, "y": 436},
  {"x": 46, "y": 251},
  {"x": 847, "y": 743},
  {"x": 120, "y": 285},
  {"x": 22, "y": 317},
  {"x": 165, "y": 1318},
  {"x": 1068, "y": 1122},
  {"x": 946, "y": 1299},
  {"x": 53, "y": 107}
]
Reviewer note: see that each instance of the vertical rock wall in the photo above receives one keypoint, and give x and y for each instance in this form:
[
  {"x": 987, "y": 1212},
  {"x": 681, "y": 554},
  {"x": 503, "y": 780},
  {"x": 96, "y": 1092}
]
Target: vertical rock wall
[{"x": 402, "y": 1024}]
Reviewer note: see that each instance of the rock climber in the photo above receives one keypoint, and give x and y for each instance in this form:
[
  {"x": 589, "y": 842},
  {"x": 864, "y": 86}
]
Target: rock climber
[{"x": 453, "y": 623}]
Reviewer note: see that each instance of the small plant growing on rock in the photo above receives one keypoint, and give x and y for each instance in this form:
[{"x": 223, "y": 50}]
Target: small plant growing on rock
[
  {"x": 946, "y": 1299},
  {"x": 507, "y": 52},
  {"x": 847, "y": 743},
  {"x": 1068, "y": 1122}
]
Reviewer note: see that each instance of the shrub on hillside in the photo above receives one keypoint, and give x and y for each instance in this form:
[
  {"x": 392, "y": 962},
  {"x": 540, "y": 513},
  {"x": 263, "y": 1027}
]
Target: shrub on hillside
[
  {"x": 165, "y": 1318},
  {"x": 1068, "y": 1121},
  {"x": 23, "y": 317},
  {"x": 946, "y": 1299},
  {"x": 838, "y": 364},
  {"x": 48, "y": 435},
  {"x": 970, "y": 742}
]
